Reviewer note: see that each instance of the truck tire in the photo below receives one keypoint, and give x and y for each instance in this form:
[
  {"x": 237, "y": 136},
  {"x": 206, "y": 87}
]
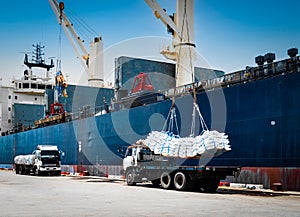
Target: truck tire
[
  {"x": 130, "y": 177},
  {"x": 22, "y": 170},
  {"x": 166, "y": 180},
  {"x": 17, "y": 169},
  {"x": 180, "y": 181},
  {"x": 27, "y": 171}
]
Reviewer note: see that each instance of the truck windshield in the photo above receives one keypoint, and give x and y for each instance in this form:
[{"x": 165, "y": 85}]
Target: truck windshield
[{"x": 50, "y": 154}]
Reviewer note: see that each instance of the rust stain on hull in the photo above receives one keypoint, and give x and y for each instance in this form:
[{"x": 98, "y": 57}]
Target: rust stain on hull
[{"x": 288, "y": 177}]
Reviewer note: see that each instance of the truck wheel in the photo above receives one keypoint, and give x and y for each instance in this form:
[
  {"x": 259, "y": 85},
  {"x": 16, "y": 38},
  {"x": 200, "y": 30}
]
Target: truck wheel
[
  {"x": 166, "y": 180},
  {"x": 22, "y": 170},
  {"x": 130, "y": 178},
  {"x": 17, "y": 169},
  {"x": 180, "y": 181}
]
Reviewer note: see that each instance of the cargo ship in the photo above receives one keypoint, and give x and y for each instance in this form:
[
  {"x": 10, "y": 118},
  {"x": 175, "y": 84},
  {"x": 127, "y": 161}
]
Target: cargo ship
[{"x": 257, "y": 107}]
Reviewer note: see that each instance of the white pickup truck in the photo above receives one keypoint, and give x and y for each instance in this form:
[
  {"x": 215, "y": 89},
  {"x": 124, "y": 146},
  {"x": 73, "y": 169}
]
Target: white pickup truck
[{"x": 44, "y": 160}]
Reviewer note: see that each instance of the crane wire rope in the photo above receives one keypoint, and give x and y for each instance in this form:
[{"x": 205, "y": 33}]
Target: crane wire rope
[
  {"x": 196, "y": 108},
  {"x": 82, "y": 27},
  {"x": 172, "y": 113},
  {"x": 59, "y": 50}
]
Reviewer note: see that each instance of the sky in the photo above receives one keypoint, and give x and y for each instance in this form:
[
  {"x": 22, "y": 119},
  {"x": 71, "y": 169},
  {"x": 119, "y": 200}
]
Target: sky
[{"x": 229, "y": 34}]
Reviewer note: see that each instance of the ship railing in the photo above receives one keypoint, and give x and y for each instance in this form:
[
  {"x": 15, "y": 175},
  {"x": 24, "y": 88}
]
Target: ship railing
[
  {"x": 88, "y": 111},
  {"x": 249, "y": 74}
]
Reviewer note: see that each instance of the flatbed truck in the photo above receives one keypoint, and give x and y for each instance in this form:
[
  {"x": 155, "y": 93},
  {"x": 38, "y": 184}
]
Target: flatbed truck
[{"x": 142, "y": 165}]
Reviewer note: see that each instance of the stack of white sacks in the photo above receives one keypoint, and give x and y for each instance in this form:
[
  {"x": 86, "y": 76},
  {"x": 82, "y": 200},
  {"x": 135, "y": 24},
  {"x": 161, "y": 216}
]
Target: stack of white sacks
[
  {"x": 168, "y": 144},
  {"x": 24, "y": 159}
]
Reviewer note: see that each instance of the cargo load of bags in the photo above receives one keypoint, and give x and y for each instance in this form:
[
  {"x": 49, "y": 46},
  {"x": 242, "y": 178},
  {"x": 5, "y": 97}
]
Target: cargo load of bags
[
  {"x": 169, "y": 144},
  {"x": 24, "y": 159}
]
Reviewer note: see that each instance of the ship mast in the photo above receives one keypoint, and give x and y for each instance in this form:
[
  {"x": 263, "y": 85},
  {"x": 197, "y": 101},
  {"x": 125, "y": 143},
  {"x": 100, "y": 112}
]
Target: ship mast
[
  {"x": 181, "y": 26},
  {"x": 37, "y": 61}
]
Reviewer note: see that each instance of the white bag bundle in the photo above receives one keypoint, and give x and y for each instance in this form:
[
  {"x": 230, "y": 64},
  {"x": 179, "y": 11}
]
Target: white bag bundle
[{"x": 168, "y": 144}]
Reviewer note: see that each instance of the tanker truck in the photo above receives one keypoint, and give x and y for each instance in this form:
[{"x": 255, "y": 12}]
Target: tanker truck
[{"x": 44, "y": 160}]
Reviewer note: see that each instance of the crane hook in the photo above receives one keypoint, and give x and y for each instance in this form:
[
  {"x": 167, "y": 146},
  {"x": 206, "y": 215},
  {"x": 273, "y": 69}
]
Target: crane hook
[{"x": 61, "y": 8}]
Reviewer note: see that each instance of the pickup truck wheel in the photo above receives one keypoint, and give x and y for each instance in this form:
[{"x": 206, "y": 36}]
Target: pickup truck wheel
[
  {"x": 180, "y": 181},
  {"x": 130, "y": 178},
  {"x": 166, "y": 180}
]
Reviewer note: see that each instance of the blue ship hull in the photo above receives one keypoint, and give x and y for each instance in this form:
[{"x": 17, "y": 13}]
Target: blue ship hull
[{"x": 262, "y": 119}]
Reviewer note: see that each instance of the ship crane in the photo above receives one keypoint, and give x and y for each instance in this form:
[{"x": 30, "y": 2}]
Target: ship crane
[
  {"x": 181, "y": 25},
  {"x": 91, "y": 61}
]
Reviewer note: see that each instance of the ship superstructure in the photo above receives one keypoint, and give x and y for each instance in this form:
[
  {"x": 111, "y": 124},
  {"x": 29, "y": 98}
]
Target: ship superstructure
[{"x": 25, "y": 100}]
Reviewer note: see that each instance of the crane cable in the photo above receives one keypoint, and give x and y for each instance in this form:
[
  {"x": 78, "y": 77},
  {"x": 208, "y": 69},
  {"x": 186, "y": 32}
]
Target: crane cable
[
  {"x": 172, "y": 113},
  {"x": 185, "y": 21},
  {"x": 60, "y": 83},
  {"x": 58, "y": 61},
  {"x": 196, "y": 109},
  {"x": 82, "y": 27}
]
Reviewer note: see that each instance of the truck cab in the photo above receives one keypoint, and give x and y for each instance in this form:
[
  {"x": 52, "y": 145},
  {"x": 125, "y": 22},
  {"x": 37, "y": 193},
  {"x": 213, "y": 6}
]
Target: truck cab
[
  {"x": 47, "y": 160},
  {"x": 135, "y": 154}
]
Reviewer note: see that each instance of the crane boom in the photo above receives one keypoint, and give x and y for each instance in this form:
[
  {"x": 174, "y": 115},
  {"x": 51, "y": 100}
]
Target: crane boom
[
  {"x": 162, "y": 15},
  {"x": 92, "y": 61},
  {"x": 69, "y": 30},
  {"x": 183, "y": 38}
]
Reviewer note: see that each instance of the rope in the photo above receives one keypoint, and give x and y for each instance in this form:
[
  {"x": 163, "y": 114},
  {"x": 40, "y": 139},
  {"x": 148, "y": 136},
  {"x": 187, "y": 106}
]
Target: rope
[
  {"x": 203, "y": 124},
  {"x": 201, "y": 119},
  {"x": 165, "y": 124},
  {"x": 175, "y": 118},
  {"x": 193, "y": 122},
  {"x": 172, "y": 120}
]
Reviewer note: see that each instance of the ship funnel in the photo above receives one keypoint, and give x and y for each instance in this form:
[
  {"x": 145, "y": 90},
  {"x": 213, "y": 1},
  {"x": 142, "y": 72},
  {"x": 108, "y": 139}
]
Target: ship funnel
[
  {"x": 269, "y": 57},
  {"x": 259, "y": 60},
  {"x": 292, "y": 52}
]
